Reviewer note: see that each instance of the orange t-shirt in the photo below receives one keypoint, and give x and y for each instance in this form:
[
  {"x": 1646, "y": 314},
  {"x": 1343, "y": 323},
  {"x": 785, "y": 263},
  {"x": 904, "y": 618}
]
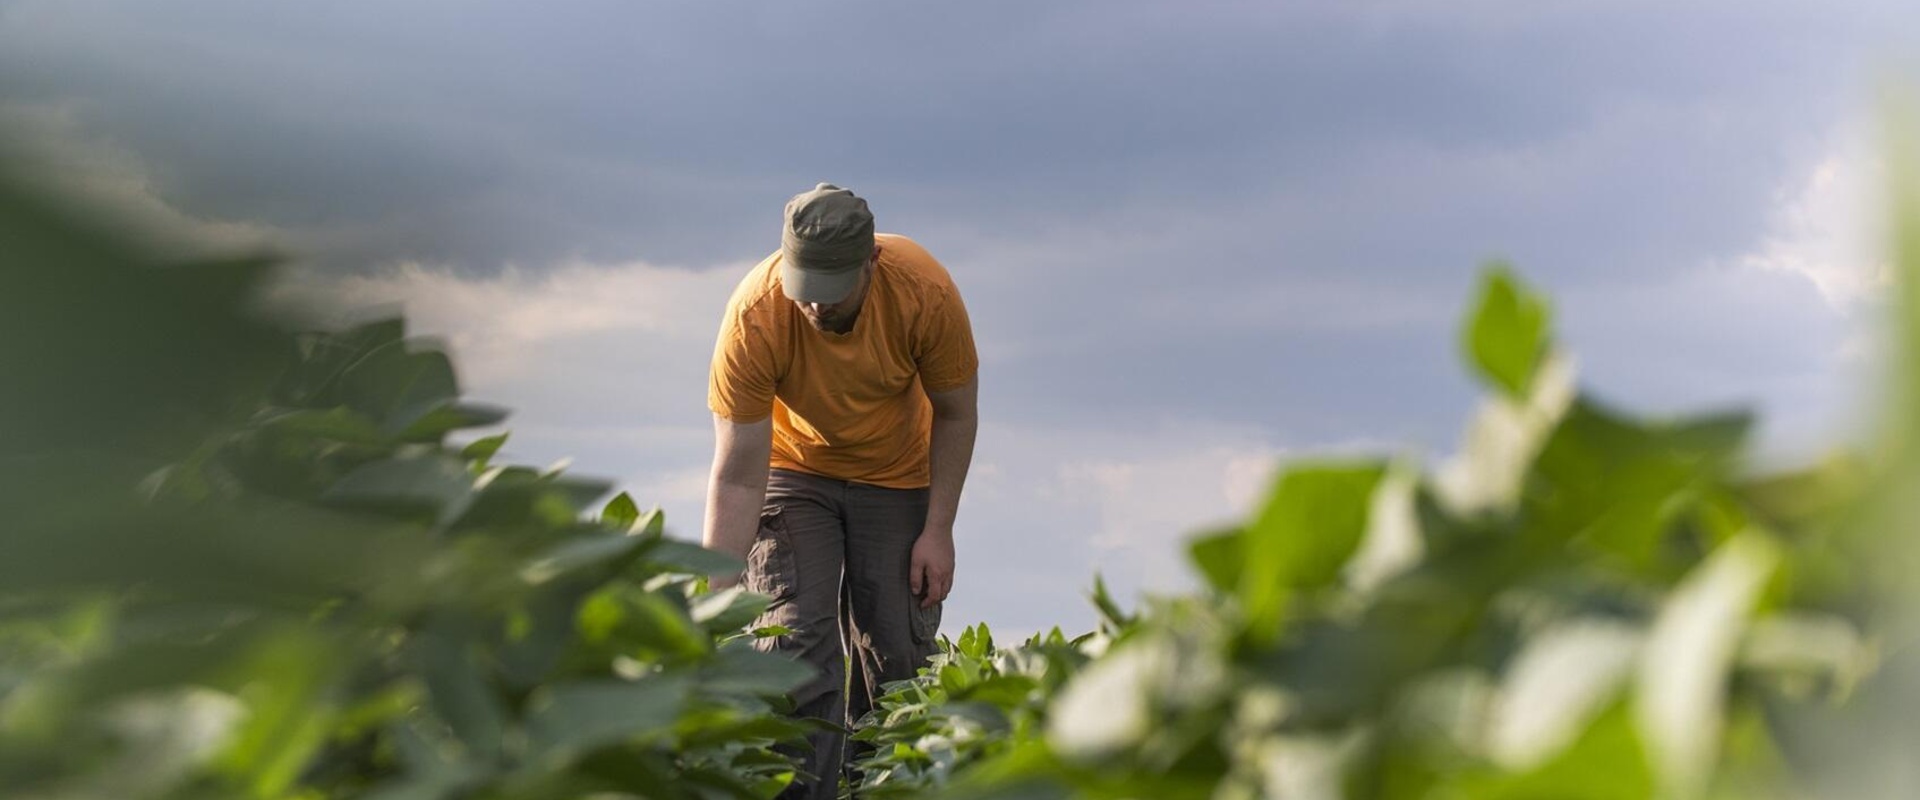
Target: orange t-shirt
[{"x": 847, "y": 406}]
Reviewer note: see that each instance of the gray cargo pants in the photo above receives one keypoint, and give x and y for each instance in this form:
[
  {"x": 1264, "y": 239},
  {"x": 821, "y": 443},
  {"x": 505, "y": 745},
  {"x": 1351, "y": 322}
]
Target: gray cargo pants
[{"x": 834, "y": 556}]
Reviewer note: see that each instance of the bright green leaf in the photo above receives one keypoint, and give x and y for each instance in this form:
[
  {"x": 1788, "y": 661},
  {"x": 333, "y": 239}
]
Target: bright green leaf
[
  {"x": 1506, "y": 333},
  {"x": 1312, "y": 522}
]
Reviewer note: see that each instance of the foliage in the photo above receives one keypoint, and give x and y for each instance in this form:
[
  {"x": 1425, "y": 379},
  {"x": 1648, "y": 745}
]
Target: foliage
[
  {"x": 1583, "y": 604},
  {"x": 245, "y": 561}
]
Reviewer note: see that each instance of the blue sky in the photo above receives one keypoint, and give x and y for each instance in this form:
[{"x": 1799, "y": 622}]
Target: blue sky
[{"x": 1196, "y": 238}]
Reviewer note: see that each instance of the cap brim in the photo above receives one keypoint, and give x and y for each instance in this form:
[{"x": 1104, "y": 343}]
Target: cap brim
[{"x": 816, "y": 287}]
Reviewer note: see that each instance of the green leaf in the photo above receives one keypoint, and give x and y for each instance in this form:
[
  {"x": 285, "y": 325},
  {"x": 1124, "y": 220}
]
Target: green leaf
[
  {"x": 481, "y": 451},
  {"x": 397, "y": 386},
  {"x": 1313, "y": 521},
  {"x": 666, "y": 627},
  {"x": 446, "y": 417},
  {"x": 686, "y": 557},
  {"x": 744, "y": 670},
  {"x": 1111, "y": 617},
  {"x": 1688, "y": 656},
  {"x": 1620, "y": 485},
  {"x": 579, "y": 553},
  {"x": 289, "y": 714},
  {"x": 433, "y": 484},
  {"x": 1506, "y": 334},
  {"x": 620, "y": 513},
  {"x": 1606, "y": 762},
  {"x": 1220, "y": 557},
  {"x": 568, "y": 719},
  {"x": 339, "y": 423},
  {"x": 729, "y": 609},
  {"x": 459, "y": 692}
]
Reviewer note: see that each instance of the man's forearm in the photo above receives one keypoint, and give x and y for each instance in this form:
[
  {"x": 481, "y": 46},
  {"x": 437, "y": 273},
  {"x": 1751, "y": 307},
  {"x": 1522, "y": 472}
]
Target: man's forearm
[
  {"x": 733, "y": 517},
  {"x": 952, "y": 452}
]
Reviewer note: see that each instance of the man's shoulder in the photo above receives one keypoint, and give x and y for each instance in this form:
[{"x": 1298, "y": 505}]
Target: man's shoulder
[
  {"x": 911, "y": 261},
  {"x": 757, "y": 293}
]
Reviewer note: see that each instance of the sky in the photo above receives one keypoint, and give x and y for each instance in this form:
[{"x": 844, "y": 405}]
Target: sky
[{"x": 1197, "y": 240}]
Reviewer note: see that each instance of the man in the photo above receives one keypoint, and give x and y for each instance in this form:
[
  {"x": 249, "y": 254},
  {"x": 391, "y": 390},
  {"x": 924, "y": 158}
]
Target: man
[{"x": 843, "y": 389}]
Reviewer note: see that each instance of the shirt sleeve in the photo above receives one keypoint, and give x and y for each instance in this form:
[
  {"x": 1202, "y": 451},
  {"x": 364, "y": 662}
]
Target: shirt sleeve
[
  {"x": 947, "y": 358},
  {"x": 741, "y": 380}
]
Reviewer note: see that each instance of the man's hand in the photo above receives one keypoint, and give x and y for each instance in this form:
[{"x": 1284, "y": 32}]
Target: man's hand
[{"x": 931, "y": 575}]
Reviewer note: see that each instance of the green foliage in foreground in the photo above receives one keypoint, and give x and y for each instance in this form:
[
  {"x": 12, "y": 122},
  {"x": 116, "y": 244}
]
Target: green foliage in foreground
[
  {"x": 1584, "y": 604},
  {"x": 243, "y": 562}
]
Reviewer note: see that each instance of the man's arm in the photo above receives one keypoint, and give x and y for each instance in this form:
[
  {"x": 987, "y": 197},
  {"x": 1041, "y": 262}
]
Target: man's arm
[
  {"x": 956, "y": 418},
  {"x": 736, "y": 488}
]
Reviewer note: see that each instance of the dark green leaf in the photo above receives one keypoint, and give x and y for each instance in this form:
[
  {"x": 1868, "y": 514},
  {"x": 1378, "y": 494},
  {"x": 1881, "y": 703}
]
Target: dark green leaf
[
  {"x": 569, "y": 718},
  {"x": 581, "y": 552},
  {"x": 459, "y": 691},
  {"x": 433, "y": 484},
  {"x": 339, "y": 423},
  {"x": 396, "y": 385},
  {"x": 481, "y": 451},
  {"x": 443, "y": 418},
  {"x": 743, "y": 670},
  {"x": 686, "y": 557}
]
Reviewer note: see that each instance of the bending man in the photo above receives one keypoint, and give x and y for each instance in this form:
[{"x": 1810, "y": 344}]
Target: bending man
[{"x": 843, "y": 388}]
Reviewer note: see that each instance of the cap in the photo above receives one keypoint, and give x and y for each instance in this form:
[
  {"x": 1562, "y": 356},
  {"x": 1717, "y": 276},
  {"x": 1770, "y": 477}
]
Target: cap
[{"x": 827, "y": 240}]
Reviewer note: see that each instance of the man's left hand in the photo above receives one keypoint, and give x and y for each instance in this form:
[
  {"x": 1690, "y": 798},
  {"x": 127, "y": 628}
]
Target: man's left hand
[{"x": 931, "y": 573}]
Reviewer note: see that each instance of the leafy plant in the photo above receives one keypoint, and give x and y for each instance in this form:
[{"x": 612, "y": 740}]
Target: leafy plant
[
  {"x": 1582, "y": 604},
  {"x": 245, "y": 561}
]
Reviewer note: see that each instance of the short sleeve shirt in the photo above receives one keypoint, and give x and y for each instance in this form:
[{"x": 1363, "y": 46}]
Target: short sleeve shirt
[{"x": 849, "y": 406}]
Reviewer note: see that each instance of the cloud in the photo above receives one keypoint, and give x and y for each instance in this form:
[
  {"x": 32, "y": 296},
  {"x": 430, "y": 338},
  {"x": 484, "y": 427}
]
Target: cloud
[
  {"x": 50, "y": 148},
  {"x": 1828, "y": 226}
]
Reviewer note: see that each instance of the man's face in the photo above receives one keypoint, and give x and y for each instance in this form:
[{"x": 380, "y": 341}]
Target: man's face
[{"x": 838, "y": 317}]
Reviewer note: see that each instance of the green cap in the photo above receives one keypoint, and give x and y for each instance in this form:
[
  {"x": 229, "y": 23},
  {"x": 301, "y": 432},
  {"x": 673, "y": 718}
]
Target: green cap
[{"x": 827, "y": 240}]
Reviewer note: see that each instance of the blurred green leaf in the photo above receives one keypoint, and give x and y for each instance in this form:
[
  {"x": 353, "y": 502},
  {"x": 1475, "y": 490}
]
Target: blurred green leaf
[
  {"x": 1220, "y": 557},
  {"x": 339, "y": 423},
  {"x": 481, "y": 451},
  {"x": 729, "y": 609},
  {"x": 1111, "y": 617},
  {"x": 1312, "y": 522},
  {"x": 567, "y": 718},
  {"x": 1620, "y": 485},
  {"x": 444, "y": 418},
  {"x": 1506, "y": 333},
  {"x": 434, "y": 485},
  {"x": 397, "y": 386},
  {"x": 1688, "y": 655},
  {"x": 1606, "y": 762},
  {"x": 459, "y": 691},
  {"x": 692, "y": 559},
  {"x": 744, "y": 670},
  {"x": 286, "y": 687},
  {"x": 581, "y": 551},
  {"x": 621, "y": 512}
]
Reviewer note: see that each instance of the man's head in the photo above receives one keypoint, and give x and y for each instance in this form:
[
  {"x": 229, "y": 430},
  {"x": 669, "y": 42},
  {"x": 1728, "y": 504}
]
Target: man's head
[
  {"x": 826, "y": 251},
  {"x": 827, "y": 242}
]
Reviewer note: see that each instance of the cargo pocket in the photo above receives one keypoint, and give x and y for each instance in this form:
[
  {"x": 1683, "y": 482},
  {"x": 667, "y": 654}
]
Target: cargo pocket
[
  {"x": 926, "y": 625},
  {"x": 770, "y": 563}
]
